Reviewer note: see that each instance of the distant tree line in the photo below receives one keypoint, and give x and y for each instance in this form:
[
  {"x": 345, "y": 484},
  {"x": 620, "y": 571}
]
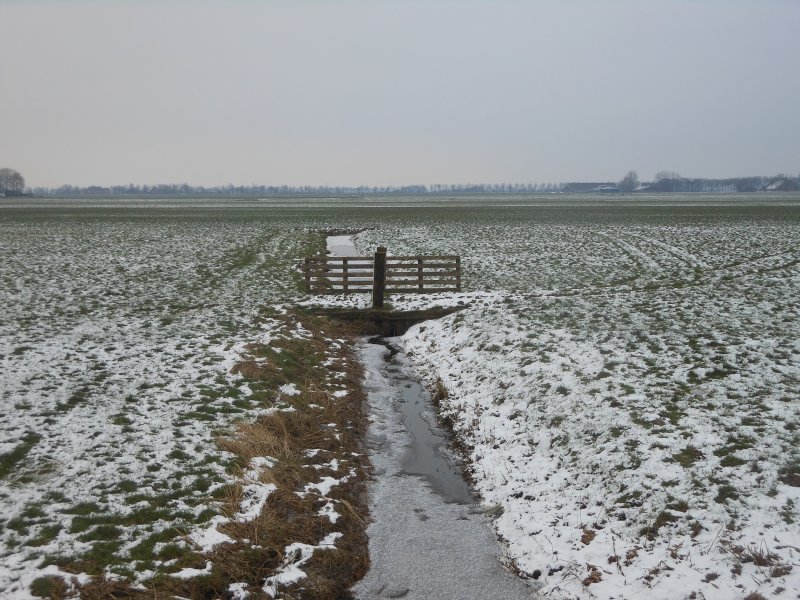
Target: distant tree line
[
  {"x": 670, "y": 181},
  {"x": 184, "y": 189},
  {"x": 777, "y": 183},
  {"x": 12, "y": 183}
]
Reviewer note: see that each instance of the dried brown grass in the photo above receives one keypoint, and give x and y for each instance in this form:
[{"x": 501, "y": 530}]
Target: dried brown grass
[
  {"x": 286, "y": 518},
  {"x": 103, "y": 589},
  {"x": 251, "y": 369}
]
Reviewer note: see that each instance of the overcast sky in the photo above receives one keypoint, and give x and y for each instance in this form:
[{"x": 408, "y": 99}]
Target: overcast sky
[{"x": 397, "y": 91}]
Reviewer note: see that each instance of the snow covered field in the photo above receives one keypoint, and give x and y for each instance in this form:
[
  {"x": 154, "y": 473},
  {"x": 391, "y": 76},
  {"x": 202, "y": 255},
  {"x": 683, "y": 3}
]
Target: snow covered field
[
  {"x": 627, "y": 392},
  {"x": 625, "y": 380},
  {"x": 119, "y": 324}
]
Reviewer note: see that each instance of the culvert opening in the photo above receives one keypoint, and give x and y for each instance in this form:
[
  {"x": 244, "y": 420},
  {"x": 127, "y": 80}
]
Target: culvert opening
[{"x": 385, "y": 323}]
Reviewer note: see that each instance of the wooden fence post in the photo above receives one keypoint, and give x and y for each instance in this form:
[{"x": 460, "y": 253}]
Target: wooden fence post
[
  {"x": 379, "y": 278},
  {"x": 458, "y": 273},
  {"x": 420, "y": 281},
  {"x": 344, "y": 275}
]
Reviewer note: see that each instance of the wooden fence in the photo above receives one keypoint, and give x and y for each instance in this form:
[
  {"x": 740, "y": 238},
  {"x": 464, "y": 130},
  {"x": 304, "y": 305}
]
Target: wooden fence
[
  {"x": 338, "y": 274},
  {"x": 422, "y": 274},
  {"x": 382, "y": 274}
]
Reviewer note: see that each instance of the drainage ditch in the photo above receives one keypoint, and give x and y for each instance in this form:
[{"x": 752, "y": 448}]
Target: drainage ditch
[
  {"x": 427, "y": 454},
  {"x": 429, "y": 539}
]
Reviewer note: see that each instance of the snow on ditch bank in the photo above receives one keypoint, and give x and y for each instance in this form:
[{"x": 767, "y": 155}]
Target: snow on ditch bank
[
  {"x": 637, "y": 421},
  {"x": 601, "y": 493}
]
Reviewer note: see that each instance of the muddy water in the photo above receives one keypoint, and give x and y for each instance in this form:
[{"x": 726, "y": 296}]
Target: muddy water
[{"x": 429, "y": 539}]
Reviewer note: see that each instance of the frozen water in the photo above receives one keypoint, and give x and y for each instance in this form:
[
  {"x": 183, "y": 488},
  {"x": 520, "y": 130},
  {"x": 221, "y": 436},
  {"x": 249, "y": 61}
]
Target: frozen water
[{"x": 422, "y": 546}]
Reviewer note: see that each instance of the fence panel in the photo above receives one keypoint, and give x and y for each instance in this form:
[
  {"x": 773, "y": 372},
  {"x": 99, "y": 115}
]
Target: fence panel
[
  {"x": 338, "y": 274},
  {"x": 401, "y": 274},
  {"x": 425, "y": 273}
]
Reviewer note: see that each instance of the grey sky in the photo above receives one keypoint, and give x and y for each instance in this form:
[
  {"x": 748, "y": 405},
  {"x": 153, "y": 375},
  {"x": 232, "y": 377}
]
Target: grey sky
[{"x": 391, "y": 92}]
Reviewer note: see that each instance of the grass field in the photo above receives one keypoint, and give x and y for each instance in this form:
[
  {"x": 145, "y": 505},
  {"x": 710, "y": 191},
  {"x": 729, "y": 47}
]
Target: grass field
[{"x": 625, "y": 383}]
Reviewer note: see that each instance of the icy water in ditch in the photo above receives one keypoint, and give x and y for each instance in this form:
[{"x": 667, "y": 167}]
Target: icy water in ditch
[
  {"x": 428, "y": 538},
  {"x": 341, "y": 245},
  {"x": 426, "y": 453}
]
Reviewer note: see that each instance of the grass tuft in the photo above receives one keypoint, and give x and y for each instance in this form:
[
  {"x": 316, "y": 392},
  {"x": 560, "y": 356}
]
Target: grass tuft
[
  {"x": 688, "y": 456},
  {"x": 10, "y": 460}
]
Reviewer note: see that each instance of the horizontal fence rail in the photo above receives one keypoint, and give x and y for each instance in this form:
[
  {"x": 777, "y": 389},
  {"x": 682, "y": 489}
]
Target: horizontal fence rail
[
  {"x": 338, "y": 274},
  {"x": 421, "y": 274},
  {"x": 382, "y": 274}
]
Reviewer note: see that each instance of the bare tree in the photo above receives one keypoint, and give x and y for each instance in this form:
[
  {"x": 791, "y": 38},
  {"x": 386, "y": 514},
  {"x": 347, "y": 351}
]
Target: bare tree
[
  {"x": 11, "y": 182},
  {"x": 666, "y": 175},
  {"x": 630, "y": 182}
]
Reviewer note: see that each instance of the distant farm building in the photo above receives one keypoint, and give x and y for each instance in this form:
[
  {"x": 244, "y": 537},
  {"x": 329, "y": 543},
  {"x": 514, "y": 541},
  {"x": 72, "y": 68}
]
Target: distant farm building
[
  {"x": 580, "y": 187},
  {"x": 782, "y": 185}
]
